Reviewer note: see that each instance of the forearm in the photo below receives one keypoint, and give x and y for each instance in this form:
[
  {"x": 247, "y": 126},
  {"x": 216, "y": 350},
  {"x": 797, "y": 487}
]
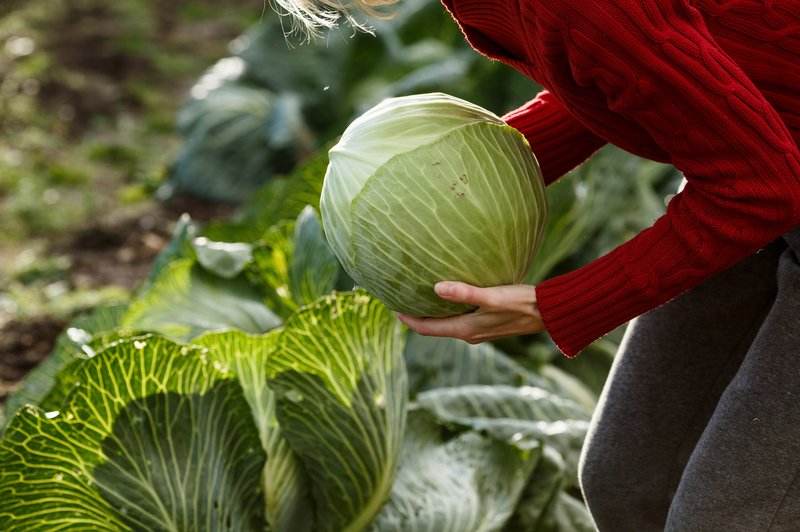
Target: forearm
[
  {"x": 559, "y": 142},
  {"x": 656, "y": 65}
]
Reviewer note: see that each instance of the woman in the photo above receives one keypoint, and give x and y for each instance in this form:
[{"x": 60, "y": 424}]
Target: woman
[{"x": 698, "y": 427}]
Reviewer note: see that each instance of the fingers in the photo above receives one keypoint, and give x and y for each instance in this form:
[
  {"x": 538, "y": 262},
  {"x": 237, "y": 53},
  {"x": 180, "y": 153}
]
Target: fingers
[
  {"x": 502, "y": 311},
  {"x": 432, "y": 326},
  {"x": 473, "y": 327}
]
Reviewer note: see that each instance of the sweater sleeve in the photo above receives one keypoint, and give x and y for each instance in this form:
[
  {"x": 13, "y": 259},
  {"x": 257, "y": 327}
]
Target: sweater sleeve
[
  {"x": 656, "y": 64},
  {"x": 559, "y": 142}
]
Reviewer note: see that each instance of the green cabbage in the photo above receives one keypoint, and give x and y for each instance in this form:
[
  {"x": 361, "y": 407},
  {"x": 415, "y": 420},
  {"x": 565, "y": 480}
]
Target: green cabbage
[{"x": 427, "y": 188}]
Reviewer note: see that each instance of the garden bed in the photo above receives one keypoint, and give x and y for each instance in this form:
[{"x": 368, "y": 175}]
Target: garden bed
[{"x": 113, "y": 251}]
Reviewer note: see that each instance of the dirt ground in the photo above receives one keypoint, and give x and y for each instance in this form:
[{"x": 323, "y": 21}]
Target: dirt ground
[
  {"x": 113, "y": 251},
  {"x": 106, "y": 64}
]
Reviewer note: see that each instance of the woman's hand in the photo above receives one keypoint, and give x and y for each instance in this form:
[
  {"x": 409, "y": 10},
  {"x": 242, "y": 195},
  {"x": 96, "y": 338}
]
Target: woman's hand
[{"x": 502, "y": 311}]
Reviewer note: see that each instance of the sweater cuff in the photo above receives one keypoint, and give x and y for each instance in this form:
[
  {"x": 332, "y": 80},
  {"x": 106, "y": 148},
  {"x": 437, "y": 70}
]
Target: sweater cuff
[
  {"x": 559, "y": 142},
  {"x": 579, "y": 307}
]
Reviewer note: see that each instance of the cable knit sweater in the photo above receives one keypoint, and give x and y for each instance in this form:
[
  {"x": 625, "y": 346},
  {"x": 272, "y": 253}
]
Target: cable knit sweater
[{"x": 710, "y": 86}]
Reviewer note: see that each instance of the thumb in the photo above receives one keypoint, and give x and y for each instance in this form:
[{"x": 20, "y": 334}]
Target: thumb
[{"x": 460, "y": 293}]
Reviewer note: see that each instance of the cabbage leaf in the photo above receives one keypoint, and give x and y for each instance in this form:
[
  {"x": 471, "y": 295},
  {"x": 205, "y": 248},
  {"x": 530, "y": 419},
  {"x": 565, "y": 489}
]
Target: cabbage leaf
[
  {"x": 341, "y": 389},
  {"x": 155, "y": 437}
]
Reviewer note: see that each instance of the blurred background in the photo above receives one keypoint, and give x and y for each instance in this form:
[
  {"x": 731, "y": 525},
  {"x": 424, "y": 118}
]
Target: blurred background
[
  {"x": 117, "y": 117},
  {"x": 89, "y": 91}
]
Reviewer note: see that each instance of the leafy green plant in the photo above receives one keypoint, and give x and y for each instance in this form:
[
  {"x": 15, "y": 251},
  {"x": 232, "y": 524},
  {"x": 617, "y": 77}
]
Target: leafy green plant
[
  {"x": 330, "y": 417},
  {"x": 234, "y": 431},
  {"x": 257, "y": 113},
  {"x": 238, "y": 134},
  {"x": 117, "y": 450}
]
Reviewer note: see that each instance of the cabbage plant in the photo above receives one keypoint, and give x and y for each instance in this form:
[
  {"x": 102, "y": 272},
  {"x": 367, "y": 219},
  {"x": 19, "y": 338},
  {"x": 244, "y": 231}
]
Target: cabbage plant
[
  {"x": 306, "y": 427},
  {"x": 262, "y": 399},
  {"x": 427, "y": 188},
  {"x": 237, "y": 135},
  {"x": 230, "y": 432}
]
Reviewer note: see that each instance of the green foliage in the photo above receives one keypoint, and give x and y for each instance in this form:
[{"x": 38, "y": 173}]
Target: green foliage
[
  {"x": 451, "y": 484},
  {"x": 255, "y": 114},
  {"x": 237, "y": 137},
  {"x": 322, "y": 396},
  {"x": 285, "y": 483},
  {"x": 443, "y": 362},
  {"x": 581, "y": 226},
  {"x": 79, "y": 340},
  {"x": 314, "y": 269},
  {"x": 284, "y": 403},
  {"x": 221, "y": 258},
  {"x": 154, "y": 429},
  {"x": 281, "y": 199},
  {"x": 536, "y": 509},
  {"x": 341, "y": 403},
  {"x": 524, "y": 416},
  {"x": 293, "y": 265},
  {"x": 186, "y": 301},
  {"x": 97, "y": 462}
]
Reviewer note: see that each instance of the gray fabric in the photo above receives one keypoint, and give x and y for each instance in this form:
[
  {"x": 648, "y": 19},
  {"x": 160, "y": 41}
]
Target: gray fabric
[{"x": 698, "y": 427}]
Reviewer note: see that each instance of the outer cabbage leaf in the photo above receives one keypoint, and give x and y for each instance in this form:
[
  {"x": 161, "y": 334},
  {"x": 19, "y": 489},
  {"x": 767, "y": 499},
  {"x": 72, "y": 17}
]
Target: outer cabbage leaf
[
  {"x": 437, "y": 362},
  {"x": 568, "y": 223},
  {"x": 441, "y": 362},
  {"x": 567, "y": 385},
  {"x": 155, "y": 437},
  {"x": 545, "y": 506},
  {"x": 186, "y": 301},
  {"x": 285, "y": 484},
  {"x": 525, "y": 416},
  {"x": 314, "y": 269},
  {"x": 568, "y": 513},
  {"x": 269, "y": 271},
  {"x": 536, "y": 506},
  {"x": 66, "y": 380},
  {"x": 225, "y": 259},
  {"x": 293, "y": 264},
  {"x": 184, "y": 462},
  {"x": 465, "y": 483},
  {"x": 180, "y": 247},
  {"x": 341, "y": 389}
]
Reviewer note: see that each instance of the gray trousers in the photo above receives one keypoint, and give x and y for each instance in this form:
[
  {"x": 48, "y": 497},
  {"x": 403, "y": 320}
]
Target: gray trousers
[{"x": 698, "y": 427}]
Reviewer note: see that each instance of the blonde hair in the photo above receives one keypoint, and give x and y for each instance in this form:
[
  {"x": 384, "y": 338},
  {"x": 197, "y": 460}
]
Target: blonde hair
[{"x": 309, "y": 17}]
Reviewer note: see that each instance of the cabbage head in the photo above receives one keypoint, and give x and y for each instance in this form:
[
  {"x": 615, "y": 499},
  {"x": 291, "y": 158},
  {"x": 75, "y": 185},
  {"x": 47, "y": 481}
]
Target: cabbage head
[{"x": 427, "y": 188}]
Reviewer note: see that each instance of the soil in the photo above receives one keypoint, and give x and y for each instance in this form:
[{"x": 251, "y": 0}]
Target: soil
[
  {"x": 115, "y": 58},
  {"x": 114, "y": 251},
  {"x": 23, "y": 345},
  {"x": 119, "y": 251}
]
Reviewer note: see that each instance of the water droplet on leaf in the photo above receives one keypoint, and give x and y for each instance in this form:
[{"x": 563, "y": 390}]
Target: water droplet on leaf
[{"x": 294, "y": 396}]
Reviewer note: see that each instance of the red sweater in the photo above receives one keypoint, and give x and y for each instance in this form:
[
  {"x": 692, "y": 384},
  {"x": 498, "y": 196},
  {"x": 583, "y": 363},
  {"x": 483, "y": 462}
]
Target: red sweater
[{"x": 710, "y": 86}]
